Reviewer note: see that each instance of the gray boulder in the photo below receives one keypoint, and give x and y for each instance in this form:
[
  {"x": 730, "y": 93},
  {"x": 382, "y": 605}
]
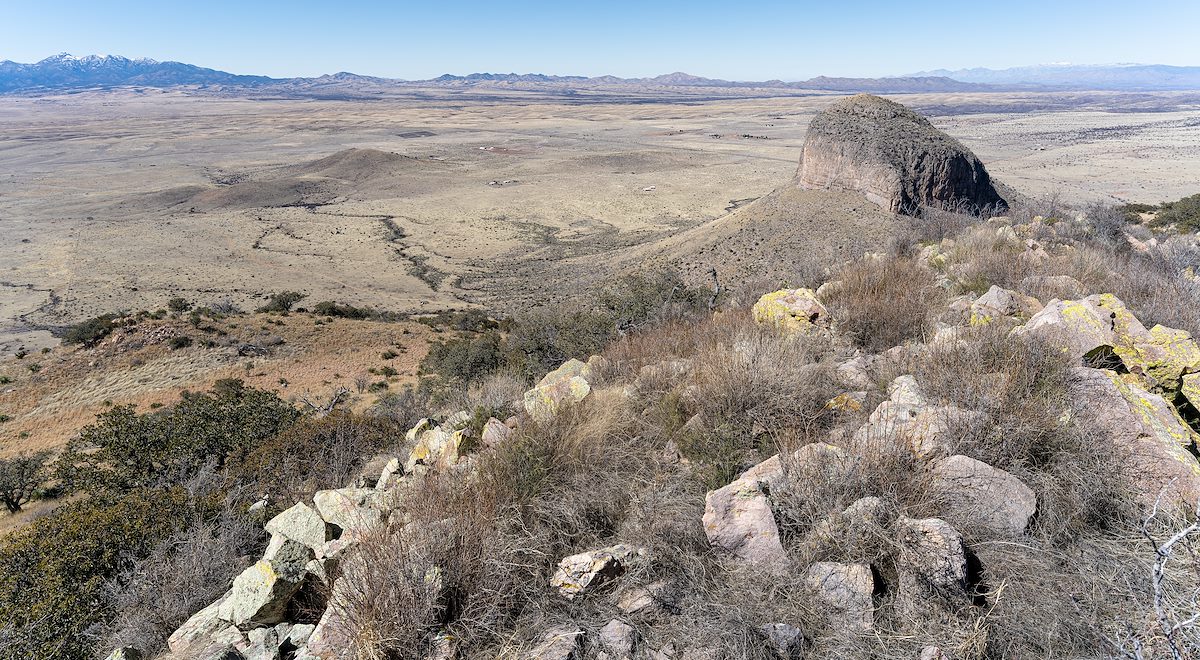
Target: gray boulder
[
  {"x": 847, "y": 591},
  {"x": 302, "y": 524},
  {"x": 974, "y": 490}
]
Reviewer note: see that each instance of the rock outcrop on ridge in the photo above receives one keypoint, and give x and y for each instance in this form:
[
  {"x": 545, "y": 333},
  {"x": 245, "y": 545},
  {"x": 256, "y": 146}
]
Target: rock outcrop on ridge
[{"x": 893, "y": 156}]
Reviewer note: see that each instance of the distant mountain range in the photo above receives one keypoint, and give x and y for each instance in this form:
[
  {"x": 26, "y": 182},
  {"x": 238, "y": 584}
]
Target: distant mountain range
[
  {"x": 66, "y": 72},
  {"x": 1086, "y": 76}
]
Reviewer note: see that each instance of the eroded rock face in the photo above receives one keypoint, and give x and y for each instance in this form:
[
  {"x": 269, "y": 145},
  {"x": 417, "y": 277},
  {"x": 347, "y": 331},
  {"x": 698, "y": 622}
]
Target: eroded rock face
[{"x": 894, "y": 156}]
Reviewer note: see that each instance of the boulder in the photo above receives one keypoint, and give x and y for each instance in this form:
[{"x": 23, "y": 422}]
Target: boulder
[
  {"x": 974, "y": 490},
  {"x": 264, "y": 645},
  {"x": 1144, "y": 430},
  {"x": 558, "y": 645},
  {"x": 302, "y": 524},
  {"x": 495, "y": 433},
  {"x": 204, "y": 632},
  {"x": 847, "y": 591},
  {"x": 738, "y": 517},
  {"x": 998, "y": 302},
  {"x": 1190, "y": 389},
  {"x": 785, "y": 639},
  {"x": 616, "y": 639},
  {"x": 125, "y": 653},
  {"x": 390, "y": 474},
  {"x": 933, "y": 557},
  {"x": 568, "y": 384},
  {"x": 586, "y": 570},
  {"x": 349, "y": 508},
  {"x": 643, "y": 600},
  {"x": 440, "y": 447},
  {"x": 894, "y": 157},
  {"x": 927, "y": 430},
  {"x": 791, "y": 311},
  {"x": 260, "y": 595}
]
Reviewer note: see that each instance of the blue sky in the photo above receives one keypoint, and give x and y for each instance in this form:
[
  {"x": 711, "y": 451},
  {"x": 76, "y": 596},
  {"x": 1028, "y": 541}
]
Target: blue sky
[{"x": 751, "y": 40}]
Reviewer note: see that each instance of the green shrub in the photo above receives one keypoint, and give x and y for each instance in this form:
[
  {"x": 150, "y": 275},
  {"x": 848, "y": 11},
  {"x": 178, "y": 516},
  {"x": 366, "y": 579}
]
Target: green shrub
[
  {"x": 20, "y": 477},
  {"x": 179, "y": 304},
  {"x": 182, "y": 341},
  {"x": 124, "y": 451},
  {"x": 462, "y": 360},
  {"x": 54, "y": 570},
  {"x": 282, "y": 301},
  {"x": 92, "y": 331},
  {"x": 1184, "y": 214}
]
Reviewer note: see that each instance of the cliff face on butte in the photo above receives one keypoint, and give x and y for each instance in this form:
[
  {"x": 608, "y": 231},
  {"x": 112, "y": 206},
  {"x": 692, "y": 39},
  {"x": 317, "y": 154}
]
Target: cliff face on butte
[{"x": 894, "y": 156}]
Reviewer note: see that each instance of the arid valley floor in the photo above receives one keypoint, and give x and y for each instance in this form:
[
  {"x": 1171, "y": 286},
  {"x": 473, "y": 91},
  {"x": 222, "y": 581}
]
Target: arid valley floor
[{"x": 122, "y": 200}]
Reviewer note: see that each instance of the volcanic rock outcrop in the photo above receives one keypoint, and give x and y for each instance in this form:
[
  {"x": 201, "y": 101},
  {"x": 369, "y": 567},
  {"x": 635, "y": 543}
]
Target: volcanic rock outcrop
[{"x": 894, "y": 156}]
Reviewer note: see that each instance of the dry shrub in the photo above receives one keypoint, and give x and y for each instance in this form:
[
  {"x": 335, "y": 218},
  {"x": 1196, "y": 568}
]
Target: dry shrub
[
  {"x": 884, "y": 301},
  {"x": 314, "y": 453},
  {"x": 180, "y": 576},
  {"x": 494, "y": 392}
]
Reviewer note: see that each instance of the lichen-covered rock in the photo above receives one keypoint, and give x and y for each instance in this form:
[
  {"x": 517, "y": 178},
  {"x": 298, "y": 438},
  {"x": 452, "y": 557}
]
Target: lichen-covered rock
[
  {"x": 568, "y": 384},
  {"x": 1082, "y": 326},
  {"x": 579, "y": 573},
  {"x": 302, "y": 524},
  {"x": 893, "y": 156},
  {"x": 738, "y": 517},
  {"x": 1190, "y": 389},
  {"x": 974, "y": 490},
  {"x": 440, "y": 447},
  {"x": 125, "y": 653},
  {"x": 1146, "y": 432},
  {"x": 998, "y": 302},
  {"x": 792, "y": 311},
  {"x": 260, "y": 595},
  {"x": 847, "y": 591}
]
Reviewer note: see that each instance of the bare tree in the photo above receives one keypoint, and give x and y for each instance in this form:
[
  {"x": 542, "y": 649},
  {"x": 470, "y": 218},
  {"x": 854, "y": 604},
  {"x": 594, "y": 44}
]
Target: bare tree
[{"x": 20, "y": 477}]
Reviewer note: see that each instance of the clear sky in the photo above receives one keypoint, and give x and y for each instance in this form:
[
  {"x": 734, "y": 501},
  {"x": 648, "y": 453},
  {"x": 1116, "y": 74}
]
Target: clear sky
[{"x": 749, "y": 40}]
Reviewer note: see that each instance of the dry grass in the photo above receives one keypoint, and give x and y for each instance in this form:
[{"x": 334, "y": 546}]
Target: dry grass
[{"x": 883, "y": 302}]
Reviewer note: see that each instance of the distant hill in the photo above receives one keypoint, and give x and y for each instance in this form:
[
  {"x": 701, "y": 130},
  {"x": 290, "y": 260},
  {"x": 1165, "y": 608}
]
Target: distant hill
[
  {"x": 65, "y": 71},
  {"x": 1105, "y": 77}
]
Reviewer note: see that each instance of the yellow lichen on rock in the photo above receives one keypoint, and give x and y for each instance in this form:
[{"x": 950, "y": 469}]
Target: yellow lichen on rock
[{"x": 792, "y": 311}]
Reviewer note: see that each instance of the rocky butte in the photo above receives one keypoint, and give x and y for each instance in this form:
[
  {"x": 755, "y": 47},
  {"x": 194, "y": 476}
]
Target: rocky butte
[{"x": 893, "y": 156}]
